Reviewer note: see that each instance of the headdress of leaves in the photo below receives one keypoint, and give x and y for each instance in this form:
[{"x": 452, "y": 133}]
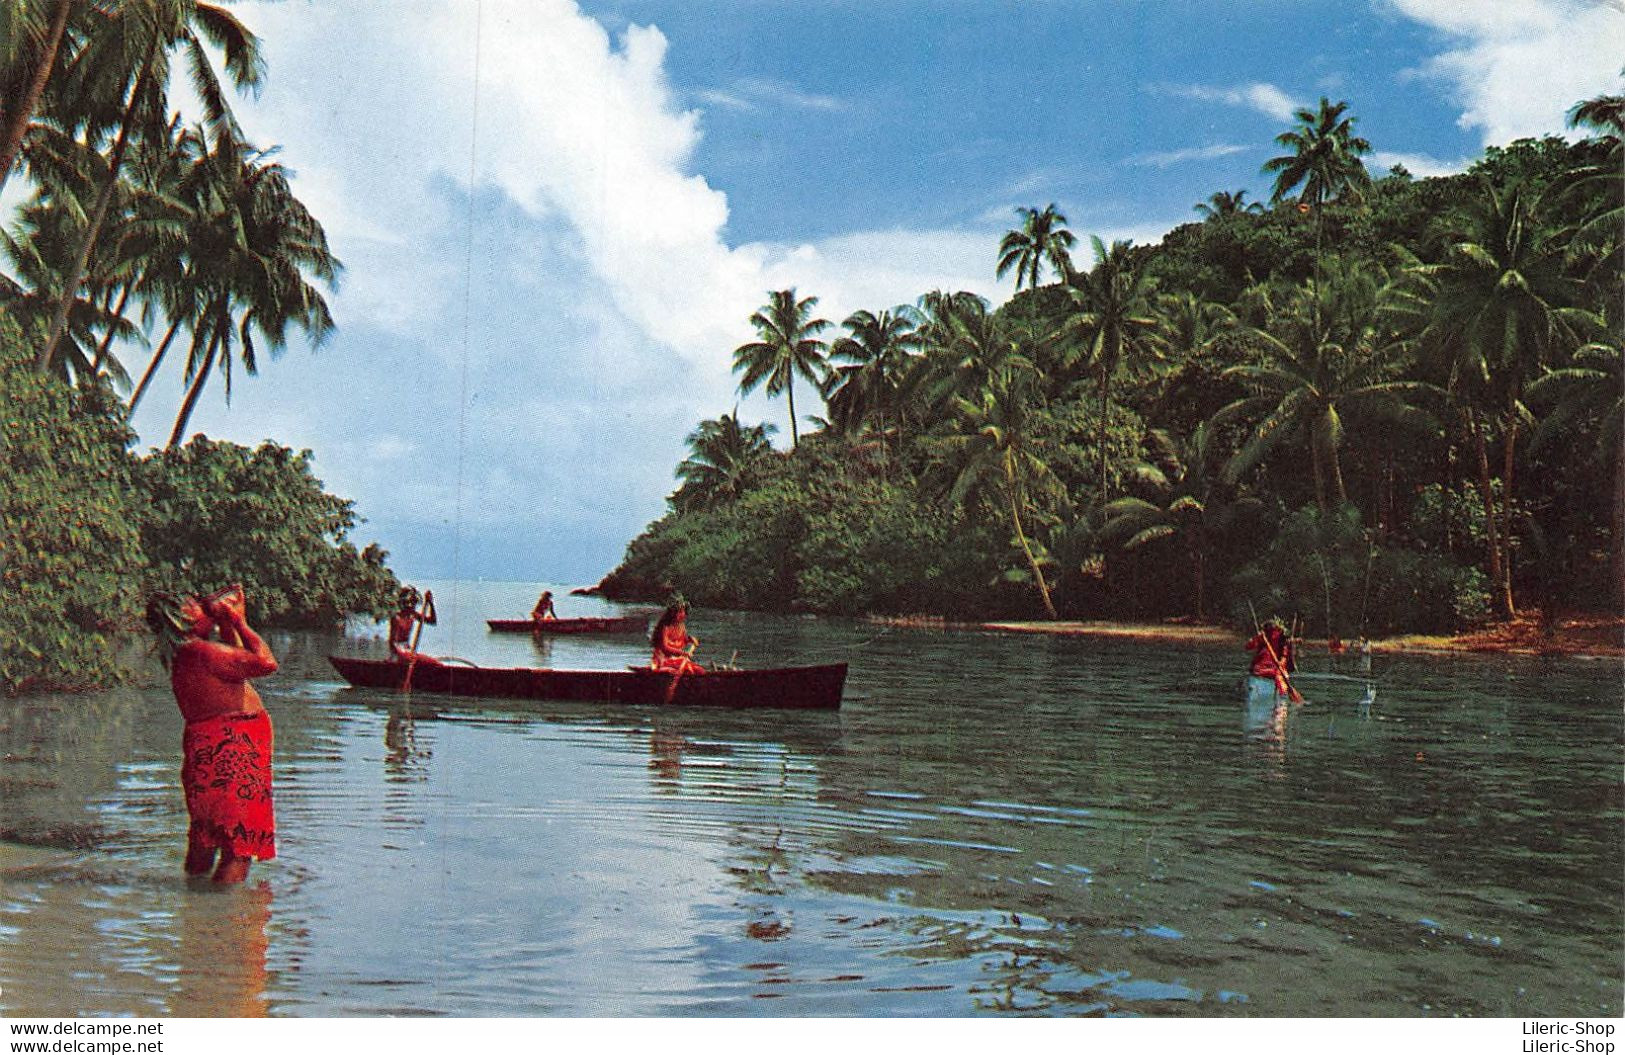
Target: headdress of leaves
[{"x": 169, "y": 623}]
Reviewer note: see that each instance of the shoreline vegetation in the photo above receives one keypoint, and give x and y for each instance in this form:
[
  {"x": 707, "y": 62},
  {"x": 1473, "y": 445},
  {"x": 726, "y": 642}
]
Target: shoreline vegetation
[
  {"x": 1391, "y": 404},
  {"x": 1580, "y": 636}
]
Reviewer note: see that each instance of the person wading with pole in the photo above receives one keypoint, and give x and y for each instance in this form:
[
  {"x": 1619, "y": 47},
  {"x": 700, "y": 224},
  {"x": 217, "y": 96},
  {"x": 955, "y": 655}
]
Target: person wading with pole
[{"x": 1273, "y": 658}]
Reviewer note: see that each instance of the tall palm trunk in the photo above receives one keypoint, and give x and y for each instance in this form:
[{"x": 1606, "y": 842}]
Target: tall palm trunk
[
  {"x": 1491, "y": 528},
  {"x": 217, "y": 335},
  {"x": 1386, "y": 505},
  {"x": 1194, "y": 548},
  {"x": 1508, "y": 452},
  {"x": 1336, "y": 469},
  {"x": 1100, "y": 431},
  {"x": 1319, "y": 473},
  {"x": 115, "y": 162},
  {"x": 1021, "y": 537},
  {"x": 152, "y": 367},
  {"x": 790, "y": 393},
  {"x": 107, "y": 338},
  {"x": 21, "y": 112}
]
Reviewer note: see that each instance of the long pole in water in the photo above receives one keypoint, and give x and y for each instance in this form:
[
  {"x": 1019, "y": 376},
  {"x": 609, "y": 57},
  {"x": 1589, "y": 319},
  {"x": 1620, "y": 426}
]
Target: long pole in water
[
  {"x": 1282, "y": 679},
  {"x": 417, "y": 635}
]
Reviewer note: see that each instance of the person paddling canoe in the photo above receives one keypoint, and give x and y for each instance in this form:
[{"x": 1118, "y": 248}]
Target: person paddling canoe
[
  {"x": 673, "y": 645},
  {"x": 1273, "y": 660},
  {"x": 226, "y": 746},
  {"x": 544, "y": 608},
  {"x": 406, "y": 619}
]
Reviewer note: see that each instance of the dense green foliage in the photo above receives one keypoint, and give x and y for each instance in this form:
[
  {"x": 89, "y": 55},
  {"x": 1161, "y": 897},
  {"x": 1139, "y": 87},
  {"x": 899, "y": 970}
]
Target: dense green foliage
[
  {"x": 139, "y": 228},
  {"x": 86, "y": 529},
  {"x": 70, "y": 558},
  {"x": 1381, "y": 404},
  {"x": 825, "y": 533},
  {"x": 218, "y": 513}
]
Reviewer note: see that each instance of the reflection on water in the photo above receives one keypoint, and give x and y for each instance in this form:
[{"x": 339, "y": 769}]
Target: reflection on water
[
  {"x": 991, "y": 825},
  {"x": 221, "y": 951}
]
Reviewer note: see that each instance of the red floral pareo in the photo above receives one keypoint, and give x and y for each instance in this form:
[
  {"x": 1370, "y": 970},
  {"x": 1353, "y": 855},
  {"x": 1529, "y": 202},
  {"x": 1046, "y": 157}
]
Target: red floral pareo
[{"x": 226, "y": 773}]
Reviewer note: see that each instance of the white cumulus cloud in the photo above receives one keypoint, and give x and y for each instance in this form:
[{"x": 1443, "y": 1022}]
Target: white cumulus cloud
[
  {"x": 1419, "y": 165},
  {"x": 1265, "y": 98},
  {"x": 1163, "y": 159},
  {"x": 539, "y": 299},
  {"x": 1516, "y": 66}
]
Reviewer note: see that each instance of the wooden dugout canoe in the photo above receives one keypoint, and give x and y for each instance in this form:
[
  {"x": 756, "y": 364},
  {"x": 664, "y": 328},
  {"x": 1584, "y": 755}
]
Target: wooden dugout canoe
[
  {"x": 604, "y": 624},
  {"x": 796, "y": 688}
]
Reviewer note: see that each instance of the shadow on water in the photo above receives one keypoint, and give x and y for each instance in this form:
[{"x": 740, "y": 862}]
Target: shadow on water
[{"x": 990, "y": 825}]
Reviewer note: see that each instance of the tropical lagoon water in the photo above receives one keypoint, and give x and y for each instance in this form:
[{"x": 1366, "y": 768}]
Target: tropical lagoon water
[{"x": 992, "y": 825}]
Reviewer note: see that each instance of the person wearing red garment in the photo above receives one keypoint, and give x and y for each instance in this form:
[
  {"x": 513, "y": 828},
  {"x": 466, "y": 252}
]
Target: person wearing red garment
[
  {"x": 228, "y": 740},
  {"x": 673, "y": 645},
  {"x": 1273, "y": 659}
]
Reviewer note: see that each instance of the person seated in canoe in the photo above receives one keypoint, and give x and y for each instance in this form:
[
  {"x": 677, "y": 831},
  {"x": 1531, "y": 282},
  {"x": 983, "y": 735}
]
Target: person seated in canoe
[
  {"x": 1273, "y": 656},
  {"x": 544, "y": 608},
  {"x": 673, "y": 645},
  {"x": 406, "y": 619},
  {"x": 227, "y": 742}
]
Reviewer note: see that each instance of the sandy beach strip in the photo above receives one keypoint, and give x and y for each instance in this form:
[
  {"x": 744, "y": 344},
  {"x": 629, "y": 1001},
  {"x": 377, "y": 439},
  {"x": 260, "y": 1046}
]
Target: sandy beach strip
[{"x": 1583, "y": 637}]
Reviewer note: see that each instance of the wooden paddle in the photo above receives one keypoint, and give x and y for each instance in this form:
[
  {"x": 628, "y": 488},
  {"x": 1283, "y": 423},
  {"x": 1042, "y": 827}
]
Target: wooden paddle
[
  {"x": 1283, "y": 682},
  {"x": 671, "y": 689},
  {"x": 417, "y": 635},
  {"x": 671, "y": 686}
]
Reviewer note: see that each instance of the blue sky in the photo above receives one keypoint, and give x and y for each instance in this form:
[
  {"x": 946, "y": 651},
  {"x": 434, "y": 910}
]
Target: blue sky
[{"x": 557, "y": 218}]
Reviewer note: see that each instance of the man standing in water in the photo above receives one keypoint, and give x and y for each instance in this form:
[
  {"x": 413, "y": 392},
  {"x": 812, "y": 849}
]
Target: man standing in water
[{"x": 226, "y": 747}]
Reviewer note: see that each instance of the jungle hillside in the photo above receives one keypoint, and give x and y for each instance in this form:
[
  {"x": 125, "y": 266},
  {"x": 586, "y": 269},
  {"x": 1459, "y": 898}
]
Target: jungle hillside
[{"x": 1373, "y": 403}]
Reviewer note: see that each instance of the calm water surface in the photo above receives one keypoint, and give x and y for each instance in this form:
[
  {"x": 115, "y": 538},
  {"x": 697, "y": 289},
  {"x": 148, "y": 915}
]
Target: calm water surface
[{"x": 991, "y": 825}]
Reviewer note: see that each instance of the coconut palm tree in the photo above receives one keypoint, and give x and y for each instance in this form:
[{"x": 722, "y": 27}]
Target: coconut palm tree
[
  {"x": 967, "y": 348},
  {"x": 1227, "y": 203},
  {"x": 722, "y": 455},
  {"x": 1192, "y": 333},
  {"x": 867, "y": 368},
  {"x": 39, "y": 248},
  {"x": 788, "y": 346},
  {"x": 943, "y": 324},
  {"x": 1505, "y": 304},
  {"x": 993, "y": 452},
  {"x": 143, "y": 243},
  {"x": 934, "y": 313},
  {"x": 165, "y": 283},
  {"x": 1588, "y": 396},
  {"x": 127, "y": 63},
  {"x": 1323, "y": 158},
  {"x": 1599, "y": 188},
  {"x": 31, "y": 36},
  {"x": 1188, "y": 498},
  {"x": 1112, "y": 323},
  {"x": 1605, "y": 115},
  {"x": 1326, "y": 353},
  {"x": 253, "y": 243},
  {"x": 1042, "y": 238}
]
